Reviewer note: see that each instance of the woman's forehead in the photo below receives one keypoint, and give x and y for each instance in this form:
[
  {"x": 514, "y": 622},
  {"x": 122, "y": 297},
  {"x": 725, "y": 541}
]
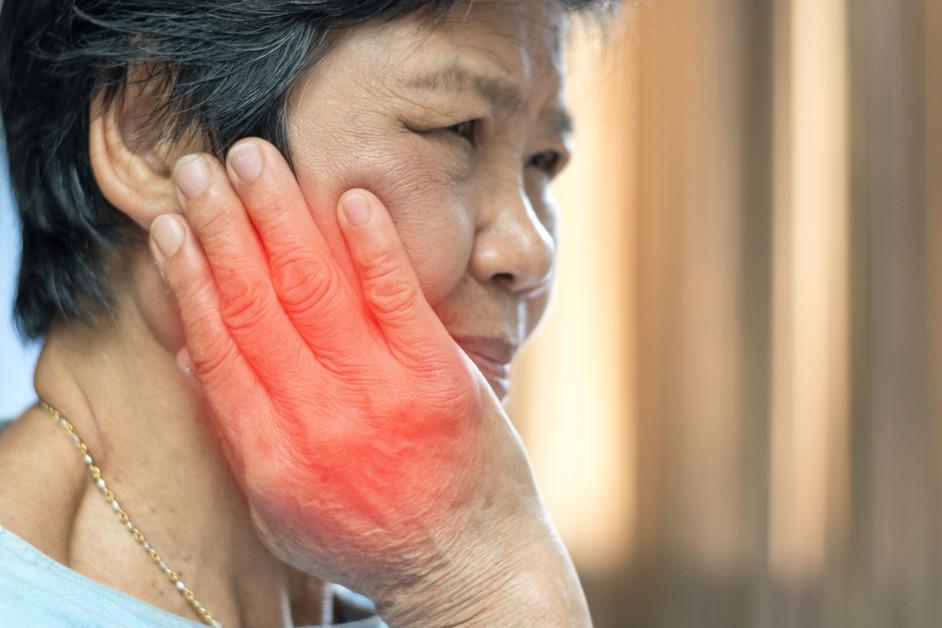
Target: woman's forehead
[
  {"x": 519, "y": 38},
  {"x": 496, "y": 51}
]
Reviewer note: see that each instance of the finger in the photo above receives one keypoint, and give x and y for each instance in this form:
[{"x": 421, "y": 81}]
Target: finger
[
  {"x": 307, "y": 280},
  {"x": 213, "y": 355},
  {"x": 248, "y": 304},
  {"x": 389, "y": 282}
]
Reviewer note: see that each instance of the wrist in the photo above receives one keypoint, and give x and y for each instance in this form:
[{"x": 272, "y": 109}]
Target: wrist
[{"x": 520, "y": 576}]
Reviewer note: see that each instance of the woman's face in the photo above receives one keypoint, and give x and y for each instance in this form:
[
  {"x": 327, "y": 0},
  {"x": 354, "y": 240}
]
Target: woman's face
[{"x": 458, "y": 129}]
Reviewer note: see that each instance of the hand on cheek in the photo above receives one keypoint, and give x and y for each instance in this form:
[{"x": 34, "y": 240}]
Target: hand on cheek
[{"x": 358, "y": 429}]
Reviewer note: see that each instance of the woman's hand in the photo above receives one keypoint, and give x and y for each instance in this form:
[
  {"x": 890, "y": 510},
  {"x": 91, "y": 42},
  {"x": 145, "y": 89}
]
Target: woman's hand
[{"x": 371, "y": 450}]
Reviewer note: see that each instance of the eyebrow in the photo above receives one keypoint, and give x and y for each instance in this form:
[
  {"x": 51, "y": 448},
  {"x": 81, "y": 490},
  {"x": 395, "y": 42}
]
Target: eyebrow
[{"x": 501, "y": 94}]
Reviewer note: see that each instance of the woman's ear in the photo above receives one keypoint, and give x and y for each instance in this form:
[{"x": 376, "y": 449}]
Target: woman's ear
[{"x": 131, "y": 166}]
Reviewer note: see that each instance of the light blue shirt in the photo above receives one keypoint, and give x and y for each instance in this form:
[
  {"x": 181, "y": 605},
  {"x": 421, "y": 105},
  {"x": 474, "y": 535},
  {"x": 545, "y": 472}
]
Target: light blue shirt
[{"x": 39, "y": 592}]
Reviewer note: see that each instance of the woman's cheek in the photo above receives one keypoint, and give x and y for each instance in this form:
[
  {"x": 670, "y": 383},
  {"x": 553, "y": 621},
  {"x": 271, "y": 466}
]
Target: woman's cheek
[
  {"x": 429, "y": 204},
  {"x": 435, "y": 221},
  {"x": 535, "y": 309}
]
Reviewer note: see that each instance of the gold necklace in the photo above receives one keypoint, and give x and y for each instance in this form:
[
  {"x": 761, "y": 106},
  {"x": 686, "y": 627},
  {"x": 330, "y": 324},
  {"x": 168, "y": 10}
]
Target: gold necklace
[{"x": 99, "y": 482}]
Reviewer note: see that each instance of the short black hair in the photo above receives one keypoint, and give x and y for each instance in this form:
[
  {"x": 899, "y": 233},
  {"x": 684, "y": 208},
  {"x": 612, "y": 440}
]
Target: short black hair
[{"x": 227, "y": 67}]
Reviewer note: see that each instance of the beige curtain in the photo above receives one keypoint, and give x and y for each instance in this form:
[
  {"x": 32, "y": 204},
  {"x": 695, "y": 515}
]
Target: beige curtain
[{"x": 733, "y": 408}]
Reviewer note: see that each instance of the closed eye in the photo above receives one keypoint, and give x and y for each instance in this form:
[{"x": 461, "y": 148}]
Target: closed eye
[
  {"x": 467, "y": 130},
  {"x": 550, "y": 162}
]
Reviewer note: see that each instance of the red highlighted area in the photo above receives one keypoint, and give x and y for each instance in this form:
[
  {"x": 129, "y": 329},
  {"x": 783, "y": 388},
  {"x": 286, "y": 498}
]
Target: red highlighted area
[{"x": 359, "y": 430}]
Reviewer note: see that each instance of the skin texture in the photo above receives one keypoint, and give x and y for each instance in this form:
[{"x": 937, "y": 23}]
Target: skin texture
[
  {"x": 363, "y": 437},
  {"x": 334, "y": 427}
]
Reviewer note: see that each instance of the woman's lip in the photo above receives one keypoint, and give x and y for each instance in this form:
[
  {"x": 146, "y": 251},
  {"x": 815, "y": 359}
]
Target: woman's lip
[
  {"x": 496, "y": 350},
  {"x": 496, "y": 374},
  {"x": 489, "y": 366},
  {"x": 492, "y": 355}
]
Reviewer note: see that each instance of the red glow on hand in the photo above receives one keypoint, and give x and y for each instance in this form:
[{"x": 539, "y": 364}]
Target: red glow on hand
[{"x": 350, "y": 417}]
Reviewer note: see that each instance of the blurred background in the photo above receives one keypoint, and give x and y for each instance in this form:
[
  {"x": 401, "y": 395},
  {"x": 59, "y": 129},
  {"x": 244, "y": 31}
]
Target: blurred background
[
  {"x": 16, "y": 360},
  {"x": 733, "y": 407}
]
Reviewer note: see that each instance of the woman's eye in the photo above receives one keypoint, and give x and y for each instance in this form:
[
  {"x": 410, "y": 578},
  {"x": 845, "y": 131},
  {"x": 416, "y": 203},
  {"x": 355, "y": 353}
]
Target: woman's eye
[
  {"x": 465, "y": 130},
  {"x": 548, "y": 161}
]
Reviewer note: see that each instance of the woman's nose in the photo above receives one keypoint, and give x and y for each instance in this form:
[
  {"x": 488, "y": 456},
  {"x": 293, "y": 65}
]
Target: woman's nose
[{"x": 513, "y": 247}]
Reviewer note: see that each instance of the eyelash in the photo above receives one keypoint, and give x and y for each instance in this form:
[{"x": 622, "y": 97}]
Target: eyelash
[
  {"x": 547, "y": 161},
  {"x": 467, "y": 130}
]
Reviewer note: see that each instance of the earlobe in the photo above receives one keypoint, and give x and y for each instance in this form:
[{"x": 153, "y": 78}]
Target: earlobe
[{"x": 132, "y": 175}]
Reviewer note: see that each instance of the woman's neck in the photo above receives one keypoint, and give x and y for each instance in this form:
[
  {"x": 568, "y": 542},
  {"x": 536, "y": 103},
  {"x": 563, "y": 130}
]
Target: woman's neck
[{"x": 145, "y": 424}]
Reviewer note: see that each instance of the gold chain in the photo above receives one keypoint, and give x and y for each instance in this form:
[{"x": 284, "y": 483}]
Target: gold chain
[{"x": 122, "y": 515}]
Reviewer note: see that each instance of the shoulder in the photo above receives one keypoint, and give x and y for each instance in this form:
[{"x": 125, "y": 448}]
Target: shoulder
[
  {"x": 38, "y": 591},
  {"x": 42, "y": 483}
]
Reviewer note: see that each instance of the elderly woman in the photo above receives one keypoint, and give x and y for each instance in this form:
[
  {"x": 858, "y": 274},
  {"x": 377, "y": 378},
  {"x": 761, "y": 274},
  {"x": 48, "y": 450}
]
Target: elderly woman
[{"x": 272, "y": 367}]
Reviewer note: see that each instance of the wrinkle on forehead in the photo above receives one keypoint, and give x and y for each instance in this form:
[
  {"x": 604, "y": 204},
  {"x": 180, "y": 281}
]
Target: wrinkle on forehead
[
  {"x": 503, "y": 50},
  {"x": 534, "y": 30},
  {"x": 455, "y": 77},
  {"x": 503, "y": 94}
]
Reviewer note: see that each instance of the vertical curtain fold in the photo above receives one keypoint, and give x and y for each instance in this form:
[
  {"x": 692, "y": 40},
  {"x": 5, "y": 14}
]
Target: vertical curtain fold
[{"x": 768, "y": 177}]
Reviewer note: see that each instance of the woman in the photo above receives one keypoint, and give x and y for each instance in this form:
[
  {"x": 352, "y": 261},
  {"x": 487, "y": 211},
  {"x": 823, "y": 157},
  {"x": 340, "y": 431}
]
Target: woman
[{"x": 296, "y": 381}]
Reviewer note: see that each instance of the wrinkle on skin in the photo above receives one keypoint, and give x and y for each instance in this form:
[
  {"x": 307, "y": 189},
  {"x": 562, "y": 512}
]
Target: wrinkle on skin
[
  {"x": 442, "y": 197},
  {"x": 476, "y": 224}
]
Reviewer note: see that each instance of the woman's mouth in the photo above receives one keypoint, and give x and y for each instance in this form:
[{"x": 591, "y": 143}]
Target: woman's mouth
[
  {"x": 493, "y": 357},
  {"x": 497, "y": 375}
]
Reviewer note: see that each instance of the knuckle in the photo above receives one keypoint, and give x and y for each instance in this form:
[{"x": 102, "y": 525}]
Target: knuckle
[
  {"x": 378, "y": 265},
  {"x": 215, "y": 359},
  {"x": 245, "y": 304},
  {"x": 393, "y": 298},
  {"x": 389, "y": 292},
  {"x": 268, "y": 204},
  {"x": 305, "y": 284},
  {"x": 450, "y": 390},
  {"x": 209, "y": 217},
  {"x": 288, "y": 255},
  {"x": 420, "y": 356}
]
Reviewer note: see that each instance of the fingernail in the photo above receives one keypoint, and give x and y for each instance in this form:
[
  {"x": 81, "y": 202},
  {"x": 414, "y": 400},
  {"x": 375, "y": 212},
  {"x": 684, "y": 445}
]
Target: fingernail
[
  {"x": 246, "y": 160},
  {"x": 191, "y": 175},
  {"x": 357, "y": 209},
  {"x": 168, "y": 234}
]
